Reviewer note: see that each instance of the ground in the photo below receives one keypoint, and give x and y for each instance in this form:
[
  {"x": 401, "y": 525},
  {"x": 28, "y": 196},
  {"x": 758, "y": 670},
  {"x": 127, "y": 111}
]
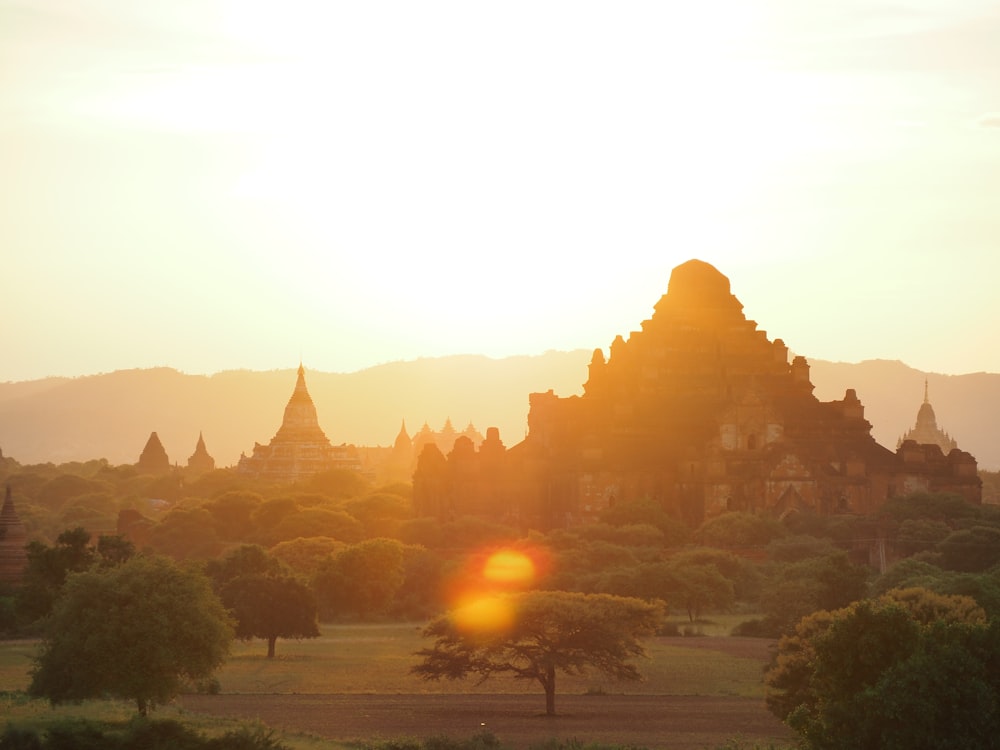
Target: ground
[{"x": 655, "y": 722}]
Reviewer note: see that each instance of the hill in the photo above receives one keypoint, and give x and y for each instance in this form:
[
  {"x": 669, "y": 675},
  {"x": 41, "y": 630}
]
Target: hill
[{"x": 111, "y": 415}]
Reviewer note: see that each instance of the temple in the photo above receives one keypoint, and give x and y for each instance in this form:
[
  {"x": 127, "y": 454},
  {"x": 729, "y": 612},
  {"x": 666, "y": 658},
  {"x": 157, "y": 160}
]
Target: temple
[
  {"x": 13, "y": 539},
  {"x": 300, "y": 449},
  {"x": 200, "y": 461},
  {"x": 153, "y": 459},
  {"x": 926, "y": 430},
  {"x": 698, "y": 411}
]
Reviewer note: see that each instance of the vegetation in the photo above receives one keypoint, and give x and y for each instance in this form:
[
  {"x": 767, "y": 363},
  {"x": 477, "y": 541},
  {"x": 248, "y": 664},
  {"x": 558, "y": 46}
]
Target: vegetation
[
  {"x": 912, "y": 670},
  {"x": 134, "y": 632},
  {"x": 535, "y": 635}
]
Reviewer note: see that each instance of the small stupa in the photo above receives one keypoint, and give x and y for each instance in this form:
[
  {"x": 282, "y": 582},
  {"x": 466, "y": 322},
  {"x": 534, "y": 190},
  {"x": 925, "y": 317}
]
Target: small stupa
[
  {"x": 13, "y": 538},
  {"x": 200, "y": 461}
]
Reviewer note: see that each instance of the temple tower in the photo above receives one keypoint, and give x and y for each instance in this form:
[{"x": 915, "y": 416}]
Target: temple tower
[
  {"x": 200, "y": 461},
  {"x": 300, "y": 448},
  {"x": 153, "y": 459},
  {"x": 926, "y": 430},
  {"x": 13, "y": 538}
]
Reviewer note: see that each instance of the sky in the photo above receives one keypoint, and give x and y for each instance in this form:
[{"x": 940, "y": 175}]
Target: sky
[{"x": 212, "y": 185}]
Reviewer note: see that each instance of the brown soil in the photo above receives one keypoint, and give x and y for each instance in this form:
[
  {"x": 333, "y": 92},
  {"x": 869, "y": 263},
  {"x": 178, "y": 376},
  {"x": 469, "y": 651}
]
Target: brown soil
[{"x": 518, "y": 721}]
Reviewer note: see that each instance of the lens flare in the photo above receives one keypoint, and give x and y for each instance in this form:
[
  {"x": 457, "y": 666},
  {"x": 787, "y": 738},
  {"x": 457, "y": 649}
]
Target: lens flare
[
  {"x": 488, "y": 614},
  {"x": 509, "y": 567}
]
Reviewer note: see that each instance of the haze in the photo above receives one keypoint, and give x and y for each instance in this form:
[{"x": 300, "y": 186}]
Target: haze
[{"x": 218, "y": 185}]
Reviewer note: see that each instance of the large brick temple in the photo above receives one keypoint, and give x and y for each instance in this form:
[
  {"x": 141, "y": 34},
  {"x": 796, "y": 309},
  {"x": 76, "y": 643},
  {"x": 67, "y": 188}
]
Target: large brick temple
[{"x": 698, "y": 411}]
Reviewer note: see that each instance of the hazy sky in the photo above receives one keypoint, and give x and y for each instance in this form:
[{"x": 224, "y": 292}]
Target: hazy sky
[{"x": 214, "y": 185}]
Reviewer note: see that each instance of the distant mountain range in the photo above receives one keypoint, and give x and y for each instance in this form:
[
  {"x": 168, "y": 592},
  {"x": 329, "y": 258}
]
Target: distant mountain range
[{"x": 111, "y": 415}]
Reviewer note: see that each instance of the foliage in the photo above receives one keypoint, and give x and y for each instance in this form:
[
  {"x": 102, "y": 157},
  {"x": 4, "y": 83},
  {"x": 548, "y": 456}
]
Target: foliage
[
  {"x": 971, "y": 550},
  {"x": 305, "y": 555},
  {"x": 911, "y": 669},
  {"x": 47, "y": 569},
  {"x": 534, "y": 635},
  {"x": 362, "y": 579},
  {"x": 133, "y": 631},
  {"x": 739, "y": 530},
  {"x": 690, "y": 585},
  {"x": 147, "y": 734},
  {"x": 649, "y": 512},
  {"x": 794, "y": 590},
  {"x": 270, "y": 607},
  {"x": 185, "y": 534},
  {"x": 265, "y": 601}
]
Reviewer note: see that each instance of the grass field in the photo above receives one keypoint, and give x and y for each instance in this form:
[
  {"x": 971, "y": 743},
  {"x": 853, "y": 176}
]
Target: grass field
[{"x": 374, "y": 660}]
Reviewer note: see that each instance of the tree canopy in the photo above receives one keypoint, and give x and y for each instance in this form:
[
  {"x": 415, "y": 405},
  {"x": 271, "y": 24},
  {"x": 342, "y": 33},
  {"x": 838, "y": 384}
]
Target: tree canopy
[
  {"x": 534, "y": 635},
  {"x": 132, "y": 631},
  {"x": 910, "y": 670}
]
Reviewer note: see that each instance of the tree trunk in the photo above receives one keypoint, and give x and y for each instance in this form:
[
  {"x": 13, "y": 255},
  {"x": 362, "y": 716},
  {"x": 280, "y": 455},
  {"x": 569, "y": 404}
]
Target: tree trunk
[
  {"x": 550, "y": 691},
  {"x": 141, "y": 705},
  {"x": 271, "y": 640}
]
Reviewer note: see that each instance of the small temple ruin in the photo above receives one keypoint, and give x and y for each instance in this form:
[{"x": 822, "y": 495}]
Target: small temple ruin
[
  {"x": 299, "y": 449},
  {"x": 153, "y": 459},
  {"x": 200, "y": 461},
  {"x": 699, "y": 411},
  {"x": 13, "y": 541}
]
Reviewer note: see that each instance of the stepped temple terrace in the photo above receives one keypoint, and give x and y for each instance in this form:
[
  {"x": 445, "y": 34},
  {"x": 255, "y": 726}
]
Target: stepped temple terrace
[
  {"x": 698, "y": 411},
  {"x": 300, "y": 449}
]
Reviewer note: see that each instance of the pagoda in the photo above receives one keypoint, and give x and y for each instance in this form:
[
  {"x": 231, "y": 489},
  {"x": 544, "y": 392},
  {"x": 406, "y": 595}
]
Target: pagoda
[
  {"x": 926, "y": 430},
  {"x": 299, "y": 449},
  {"x": 13, "y": 538},
  {"x": 200, "y": 461},
  {"x": 153, "y": 459}
]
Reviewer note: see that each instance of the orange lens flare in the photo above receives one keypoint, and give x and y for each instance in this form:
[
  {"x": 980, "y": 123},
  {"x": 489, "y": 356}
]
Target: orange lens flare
[
  {"x": 488, "y": 614},
  {"x": 509, "y": 568}
]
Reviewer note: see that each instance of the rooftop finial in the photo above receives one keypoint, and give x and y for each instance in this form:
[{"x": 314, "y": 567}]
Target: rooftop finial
[{"x": 926, "y": 400}]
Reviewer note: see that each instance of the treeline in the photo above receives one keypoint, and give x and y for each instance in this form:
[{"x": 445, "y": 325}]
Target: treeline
[{"x": 361, "y": 554}]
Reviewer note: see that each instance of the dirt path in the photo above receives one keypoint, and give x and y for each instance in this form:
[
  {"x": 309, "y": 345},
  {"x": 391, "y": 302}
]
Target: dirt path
[{"x": 660, "y": 722}]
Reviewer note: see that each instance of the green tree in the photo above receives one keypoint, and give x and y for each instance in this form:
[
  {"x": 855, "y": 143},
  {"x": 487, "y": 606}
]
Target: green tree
[
  {"x": 361, "y": 579},
  {"x": 132, "y": 631},
  {"x": 535, "y": 635},
  {"x": 47, "y": 570},
  {"x": 903, "y": 671},
  {"x": 271, "y": 607}
]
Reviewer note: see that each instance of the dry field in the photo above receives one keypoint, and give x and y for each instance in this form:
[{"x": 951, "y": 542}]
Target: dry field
[
  {"x": 700, "y": 693},
  {"x": 667, "y": 722}
]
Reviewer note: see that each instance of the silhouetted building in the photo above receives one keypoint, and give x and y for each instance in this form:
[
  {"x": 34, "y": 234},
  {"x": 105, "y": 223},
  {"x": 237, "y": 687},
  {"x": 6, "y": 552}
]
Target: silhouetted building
[
  {"x": 153, "y": 459},
  {"x": 300, "y": 448},
  {"x": 698, "y": 411},
  {"x": 200, "y": 461},
  {"x": 444, "y": 438},
  {"x": 13, "y": 539},
  {"x": 926, "y": 430}
]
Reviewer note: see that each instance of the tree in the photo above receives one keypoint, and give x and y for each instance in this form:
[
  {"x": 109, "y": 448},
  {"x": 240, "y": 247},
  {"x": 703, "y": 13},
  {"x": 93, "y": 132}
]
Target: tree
[
  {"x": 533, "y": 635},
  {"x": 912, "y": 669},
  {"x": 48, "y": 568},
  {"x": 266, "y": 601},
  {"x": 132, "y": 631},
  {"x": 361, "y": 579},
  {"x": 271, "y": 607}
]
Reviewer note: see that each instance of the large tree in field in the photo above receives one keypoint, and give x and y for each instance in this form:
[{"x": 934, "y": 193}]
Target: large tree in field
[
  {"x": 266, "y": 601},
  {"x": 271, "y": 607},
  {"x": 534, "y": 635},
  {"x": 134, "y": 631}
]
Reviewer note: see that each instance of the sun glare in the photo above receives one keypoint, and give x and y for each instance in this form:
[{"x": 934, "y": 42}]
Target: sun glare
[
  {"x": 487, "y": 614},
  {"x": 509, "y": 567}
]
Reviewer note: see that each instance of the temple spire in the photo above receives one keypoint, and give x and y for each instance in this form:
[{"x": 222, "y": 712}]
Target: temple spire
[{"x": 926, "y": 399}]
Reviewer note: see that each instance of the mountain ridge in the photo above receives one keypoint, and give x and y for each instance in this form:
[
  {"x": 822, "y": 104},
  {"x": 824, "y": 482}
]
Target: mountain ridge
[{"x": 110, "y": 415}]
